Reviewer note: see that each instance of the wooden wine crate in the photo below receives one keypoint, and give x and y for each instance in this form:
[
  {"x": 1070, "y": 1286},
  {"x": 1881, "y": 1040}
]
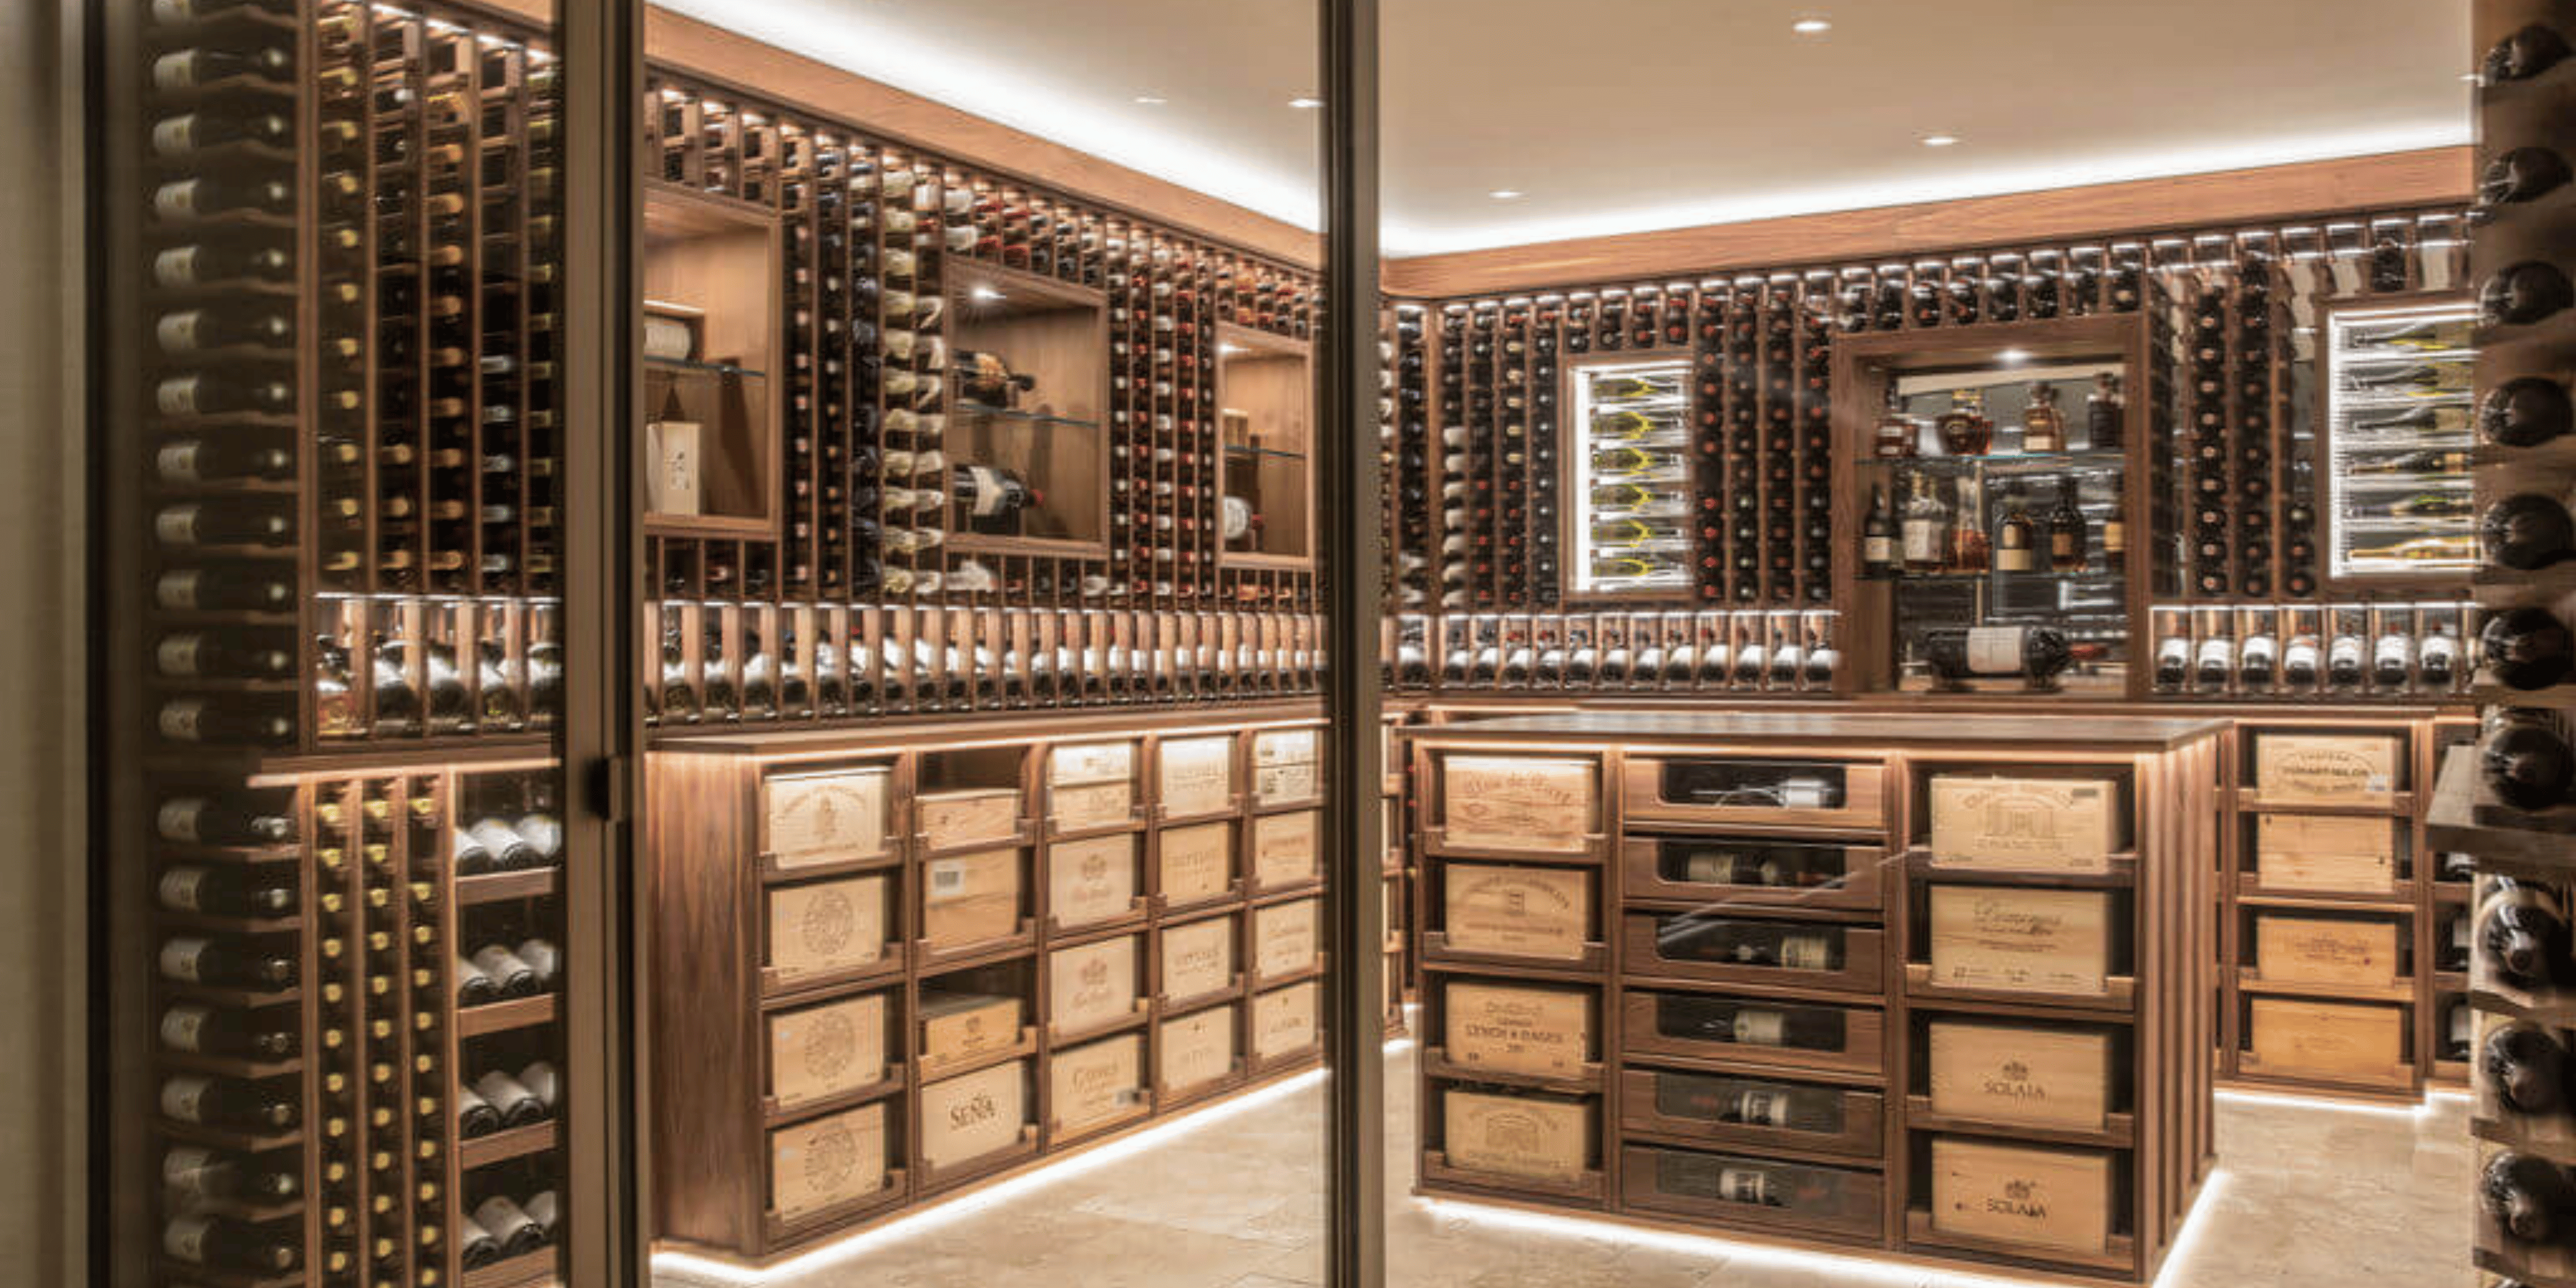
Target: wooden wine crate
[
  {"x": 1197, "y": 863},
  {"x": 2327, "y": 1039},
  {"x": 1982, "y": 823},
  {"x": 2321, "y": 950},
  {"x": 974, "y": 1114},
  {"x": 820, "y": 1051},
  {"x": 1284, "y": 850},
  {"x": 970, "y": 898},
  {"x": 2335, "y": 853},
  {"x": 1514, "y": 1028},
  {"x": 1285, "y": 766},
  {"x": 825, "y": 927},
  {"x": 961, "y": 1026},
  {"x": 1507, "y": 911},
  {"x": 2040, "y": 1198},
  {"x": 1077, "y": 807},
  {"x": 1071, "y": 764},
  {"x": 1097, "y": 1082},
  {"x": 1198, "y": 959},
  {"x": 827, "y": 1162},
  {"x": 2325, "y": 768},
  {"x": 1092, "y": 984},
  {"x": 1547, "y": 1138},
  {"x": 947, "y": 820},
  {"x": 1519, "y": 802},
  {"x": 1091, "y": 881},
  {"x": 1287, "y": 747},
  {"x": 1196, "y": 776},
  {"x": 1284, "y": 1021},
  {"x": 1286, "y": 939},
  {"x": 830, "y": 816},
  {"x": 2015, "y": 1074},
  {"x": 2020, "y": 941},
  {"x": 1195, "y": 1050}
]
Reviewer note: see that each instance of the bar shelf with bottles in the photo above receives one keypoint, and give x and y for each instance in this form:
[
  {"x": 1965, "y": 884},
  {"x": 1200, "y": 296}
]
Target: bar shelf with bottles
[{"x": 1993, "y": 597}]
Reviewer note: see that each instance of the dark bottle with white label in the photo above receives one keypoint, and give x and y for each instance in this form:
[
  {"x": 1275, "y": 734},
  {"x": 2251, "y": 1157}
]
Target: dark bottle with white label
[
  {"x": 223, "y": 1031},
  {"x": 2035, "y": 654},
  {"x": 2392, "y": 660},
  {"x": 242, "y": 890},
  {"x": 196, "y": 1175},
  {"x": 993, "y": 500},
  {"x": 230, "y": 818},
  {"x": 260, "y": 1108},
  {"x": 1714, "y": 1019},
  {"x": 221, "y": 1243},
  {"x": 2526, "y": 412},
  {"x": 226, "y": 961}
]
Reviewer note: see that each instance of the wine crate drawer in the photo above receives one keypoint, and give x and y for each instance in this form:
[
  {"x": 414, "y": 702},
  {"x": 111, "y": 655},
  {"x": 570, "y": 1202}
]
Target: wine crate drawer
[
  {"x": 1285, "y": 766},
  {"x": 817, "y": 1052},
  {"x": 2289, "y": 1037},
  {"x": 1195, "y": 776},
  {"x": 2359, "y": 952},
  {"x": 960, "y": 1026},
  {"x": 1536, "y": 803},
  {"x": 1528, "y": 1030},
  {"x": 1072, "y": 764},
  {"x": 970, "y": 899},
  {"x": 975, "y": 1114},
  {"x": 1739, "y": 950},
  {"x": 1196, "y": 1051},
  {"x": 947, "y": 820},
  {"x": 830, "y": 816},
  {"x": 1753, "y": 1113},
  {"x": 828, "y": 1162},
  {"x": 1198, "y": 959},
  {"x": 1725, "y": 871},
  {"x": 1286, "y": 939},
  {"x": 1730, "y": 1189},
  {"x": 1091, "y": 881},
  {"x": 1079, "y": 807},
  {"x": 1754, "y": 791},
  {"x": 1497, "y": 910},
  {"x": 825, "y": 928},
  {"x": 1287, "y": 747},
  {"x": 1194, "y": 864},
  {"x": 2004, "y": 940},
  {"x": 2057, "y": 1200},
  {"x": 1097, "y": 1083},
  {"x": 2325, "y": 768},
  {"x": 1284, "y": 1021},
  {"x": 1530, "y": 1137},
  {"x": 2330, "y": 853},
  {"x": 1091, "y": 985},
  {"x": 1998, "y": 824},
  {"x": 2021, "y": 1075},
  {"x": 1756, "y": 1033},
  {"x": 1284, "y": 850}
]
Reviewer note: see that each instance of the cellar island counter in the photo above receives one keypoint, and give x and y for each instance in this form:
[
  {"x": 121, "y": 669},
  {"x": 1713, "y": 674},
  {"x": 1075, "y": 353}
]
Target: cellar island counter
[{"x": 1934, "y": 986}]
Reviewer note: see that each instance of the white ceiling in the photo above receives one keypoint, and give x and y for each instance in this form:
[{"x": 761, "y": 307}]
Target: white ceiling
[{"x": 1624, "y": 115}]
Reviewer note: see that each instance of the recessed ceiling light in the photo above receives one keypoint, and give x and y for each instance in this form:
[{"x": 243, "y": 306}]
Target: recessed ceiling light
[
  {"x": 1939, "y": 140},
  {"x": 1152, "y": 100},
  {"x": 1505, "y": 194},
  {"x": 1305, "y": 104},
  {"x": 1811, "y": 26}
]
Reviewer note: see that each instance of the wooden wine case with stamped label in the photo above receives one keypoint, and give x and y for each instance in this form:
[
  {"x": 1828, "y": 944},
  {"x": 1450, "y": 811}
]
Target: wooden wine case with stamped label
[
  {"x": 1945, "y": 997},
  {"x": 872, "y": 994}
]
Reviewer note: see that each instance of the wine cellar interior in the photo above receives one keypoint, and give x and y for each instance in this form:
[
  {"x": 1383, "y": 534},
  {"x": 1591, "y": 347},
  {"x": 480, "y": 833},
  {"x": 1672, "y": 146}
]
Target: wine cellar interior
[{"x": 1960, "y": 735}]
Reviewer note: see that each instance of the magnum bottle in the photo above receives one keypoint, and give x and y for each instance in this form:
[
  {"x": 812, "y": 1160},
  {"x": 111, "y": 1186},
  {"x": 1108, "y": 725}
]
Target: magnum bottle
[
  {"x": 2343, "y": 662},
  {"x": 2529, "y": 1196},
  {"x": 2036, "y": 654},
  {"x": 2525, "y": 54},
  {"x": 2527, "y": 531},
  {"x": 2526, "y": 760},
  {"x": 2526, "y": 648},
  {"x": 2523, "y": 174},
  {"x": 243, "y": 890},
  {"x": 267, "y": 521},
  {"x": 2527, "y": 1066},
  {"x": 225, "y": 587},
  {"x": 2522, "y": 929},
  {"x": 2525, "y": 412},
  {"x": 2528, "y": 292}
]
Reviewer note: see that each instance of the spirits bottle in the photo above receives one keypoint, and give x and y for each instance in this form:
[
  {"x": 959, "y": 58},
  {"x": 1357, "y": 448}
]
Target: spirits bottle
[
  {"x": 2014, "y": 535},
  {"x": 2066, "y": 531},
  {"x": 2105, "y": 414},
  {"x": 1925, "y": 529},
  {"x": 1968, "y": 548},
  {"x": 1965, "y": 429},
  {"x": 1898, "y": 435},
  {"x": 1878, "y": 544},
  {"x": 2043, "y": 426}
]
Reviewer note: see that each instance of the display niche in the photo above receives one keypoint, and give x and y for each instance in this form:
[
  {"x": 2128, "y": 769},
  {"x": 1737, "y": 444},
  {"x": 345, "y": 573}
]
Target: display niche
[
  {"x": 1023, "y": 464},
  {"x": 2006, "y": 538},
  {"x": 712, "y": 414},
  {"x": 1265, "y": 400}
]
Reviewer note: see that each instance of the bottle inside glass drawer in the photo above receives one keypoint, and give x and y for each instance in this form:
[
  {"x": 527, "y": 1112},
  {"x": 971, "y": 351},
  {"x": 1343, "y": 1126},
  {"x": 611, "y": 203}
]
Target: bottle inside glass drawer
[
  {"x": 1743, "y": 1180},
  {"x": 1749, "y": 943},
  {"x": 1751, "y": 1102},
  {"x": 1698, "y": 1018},
  {"x": 1730, "y": 861},
  {"x": 1755, "y": 784}
]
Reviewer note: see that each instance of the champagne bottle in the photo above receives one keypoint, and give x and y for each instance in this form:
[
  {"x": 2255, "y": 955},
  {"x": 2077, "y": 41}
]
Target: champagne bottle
[
  {"x": 233, "y": 818},
  {"x": 246, "y": 1035},
  {"x": 226, "y": 961},
  {"x": 2520, "y": 175},
  {"x": 2525, "y": 54},
  {"x": 208, "y": 1101},
  {"x": 232, "y": 891},
  {"x": 226, "y": 587},
  {"x": 266, "y": 521}
]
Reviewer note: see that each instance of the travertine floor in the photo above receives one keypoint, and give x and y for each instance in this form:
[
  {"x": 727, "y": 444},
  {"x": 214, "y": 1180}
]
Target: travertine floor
[{"x": 2307, "y": 1195}]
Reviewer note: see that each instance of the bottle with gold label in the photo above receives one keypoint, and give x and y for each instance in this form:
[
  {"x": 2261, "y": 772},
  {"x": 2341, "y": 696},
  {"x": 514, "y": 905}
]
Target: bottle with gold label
[
  {"x": 2015, "y": 545},
  {"x": 1965, "y": 429},
  {"x": 2043, "y": 426},
  {"x": 1897, "y": 434}
]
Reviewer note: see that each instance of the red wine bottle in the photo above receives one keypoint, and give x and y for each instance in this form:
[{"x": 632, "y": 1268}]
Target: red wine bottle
[
  {"x": 2529, "y": 1196},
  {"x": 2526, "y": 648},
  {"x": 2526, "y": 760},
  {"x": 220, "y": 1243},
  {"x": 2527, "y": 1067},
  {"x": 2525, "y": 412}
]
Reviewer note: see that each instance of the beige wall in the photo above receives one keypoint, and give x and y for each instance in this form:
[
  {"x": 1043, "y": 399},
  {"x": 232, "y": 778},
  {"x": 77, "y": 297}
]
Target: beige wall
[{"x": 42, "y": 1127}]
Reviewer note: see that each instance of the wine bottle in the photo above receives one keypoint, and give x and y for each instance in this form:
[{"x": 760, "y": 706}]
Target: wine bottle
[
  {"x": 2036, "y": 654},
  {"x": 506, "y": 970},
  {"x": 266, "y": 521},
  {"x": 986, "y": 378},
  {"x": 508, "y": 850},
  {"x": 214, "y": 259},
  {"x": 2426, "y": 462},
  {"x": 221, "y": 1243},
  {"x": 2527, "y": 531},
  {"x": 207, "y": 1101},
  {"x": 506, "y": 1222},
  {"x": 2526, "y": 761},
  {"x": 235, "y": 457},
  {"x": 2529, "y": 1196},
  {"x": 475, "y": 1116},
  {"x": 2299, "y": 662},
  {"x": 2525, "y": 412},
  {"x": 2016, "y": 537},
  {"x": 511, "y": 1099},
  {"x": 225, "y": 961},
  {"x": 2437, "y": 661},
  {"x": 2392, "y": 660},
  {"x": 206, "y": 196},
  {"x": 995, "y": 499},
  {"x": 2067, "y": 532},
  {"x": 2524, "y": 293},
  {"x": 2522, "y": 174},
  {"x": 2213, "y": 662},
  {"x": 2256, "y": 662},
  {"x": 247, "y": 1035},
  {"x": 232, "y": 891},
  {"x": 2527, "y": 1067},
  {"x": 476, "y": 1247},
  {"x": 233, "y": 818},
  {"x": 2344, "y": 662},
  {"x": 2522, "y": 929},
  {"x": 229, "y": 587},
  {"x": 1714, "y": 1019},
  {"x": 2173, "y": 663},
  {"x": 194, "y": 1176},
  {"x": 2526, "y": 53},
  {"x": 2526, "y": 648},
  {"x": 1923, "y": 536},
  {"x": 1878, "y": 537}
]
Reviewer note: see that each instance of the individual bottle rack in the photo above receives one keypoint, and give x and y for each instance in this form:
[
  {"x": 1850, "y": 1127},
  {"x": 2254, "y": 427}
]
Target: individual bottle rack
[
  {"x": 1784, "y": 651},
  {"x": 2376, "y": 652}
]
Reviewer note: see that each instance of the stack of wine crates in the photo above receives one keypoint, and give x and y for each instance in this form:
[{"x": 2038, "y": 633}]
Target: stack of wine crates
[
  {"x": 2509, "y": 805},
  {"x": 333, "y": 802}
]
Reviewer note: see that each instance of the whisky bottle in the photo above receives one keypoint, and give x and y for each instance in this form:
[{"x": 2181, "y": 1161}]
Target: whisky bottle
[
  {"x": 1898, "y": 435},
  {"x": 2015, "y": 535},
  {"x": 2106, "y": 413},
  {"x": 1923, "y": 536},
  {"x": 1965, "y": 429},
  {"x": 1967, "y": 548},
  {"x": 2043, "y": 426},
  {"x": 2067, "y": 536}
]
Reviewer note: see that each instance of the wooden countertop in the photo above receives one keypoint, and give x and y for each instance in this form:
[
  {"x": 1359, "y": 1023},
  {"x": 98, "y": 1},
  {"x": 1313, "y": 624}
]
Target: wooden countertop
[
  {"x": 1889, "y": 729},
  {"x": 790, "y": 739}
]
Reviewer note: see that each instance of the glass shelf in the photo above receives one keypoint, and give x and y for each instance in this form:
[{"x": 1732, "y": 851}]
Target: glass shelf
[
  {"x": 987, "y": 411},
  {"x": 1270, "y": 453},
  {"x": 2102, "y": 460},
  {"x": 691, "y": 366},
  {"x": 2363, "y": 431}
]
